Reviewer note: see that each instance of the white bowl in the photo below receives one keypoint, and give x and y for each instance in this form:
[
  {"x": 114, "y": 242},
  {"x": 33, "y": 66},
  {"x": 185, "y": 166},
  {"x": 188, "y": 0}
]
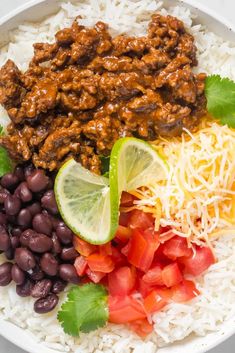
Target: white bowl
[{"x": 36, "y": 10}]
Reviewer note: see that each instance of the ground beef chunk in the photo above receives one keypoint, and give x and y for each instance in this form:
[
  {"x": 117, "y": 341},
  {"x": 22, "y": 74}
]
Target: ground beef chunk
[{"x": 86, "y": 90}]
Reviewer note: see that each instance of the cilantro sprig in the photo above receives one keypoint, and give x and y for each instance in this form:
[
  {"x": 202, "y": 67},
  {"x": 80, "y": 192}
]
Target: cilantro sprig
[
  {"x": 220, "y": 94},
  {"x": 5, "y": 162},
  {"x": 85, "y": 310}
]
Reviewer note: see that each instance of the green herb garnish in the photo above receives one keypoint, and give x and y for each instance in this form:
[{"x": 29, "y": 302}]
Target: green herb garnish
[
  {"x": 5, "y": 162},
  {"x": 85, "y": 310},
  {"x": 220, "y": 94},
  {"x": 105, "y": 161}
]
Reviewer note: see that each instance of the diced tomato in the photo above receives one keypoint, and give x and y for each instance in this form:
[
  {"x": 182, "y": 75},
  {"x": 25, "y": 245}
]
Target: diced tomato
[
  {"x": 141, "y": 220},
  {"x": 154, "y": 276},
  {"x": 125, "y": 250},
  {"x": 122, "y": 281},
  {"x": 165, "y": 293},
  {"x": 176, "y": 247},
  {"x": 154, "y": 302},
  {"x": 118, "y": 258},
  {"x": 198, "y": 262},
  {"x": 95, "y": 277},
  {"x": 126, "y": 199},
  {"x": 82, "y": 247},
  {"x": 184, "y": 291},
  {"x": 142, "y": 247},
  {"x": 106, "y": 249},
  {"x": 100, "y": 263},
  {"x": 124, "y": 218},
  {"x": 125, "y": 309},
  {"x": 171, "y": 275},
  {"x": 81, "y": 265},
  {"x": 144, "y": 288},
  {"x": 141, "y": 327},
  {"x": 123, "y": 234}
]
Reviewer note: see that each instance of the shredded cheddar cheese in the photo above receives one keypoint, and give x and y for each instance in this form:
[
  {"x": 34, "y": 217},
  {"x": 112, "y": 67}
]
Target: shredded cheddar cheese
[{"x": 198, "y": 197}]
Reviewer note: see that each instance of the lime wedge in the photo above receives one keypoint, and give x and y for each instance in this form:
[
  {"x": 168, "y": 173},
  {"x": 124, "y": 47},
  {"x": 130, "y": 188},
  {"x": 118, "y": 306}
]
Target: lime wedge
[
  {"x": 133, "y": 163},
  {"x": 83, "y": 199}
]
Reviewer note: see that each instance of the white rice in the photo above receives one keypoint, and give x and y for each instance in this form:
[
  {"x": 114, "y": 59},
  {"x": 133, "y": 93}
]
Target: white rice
[{"x": 205, "y": 313}]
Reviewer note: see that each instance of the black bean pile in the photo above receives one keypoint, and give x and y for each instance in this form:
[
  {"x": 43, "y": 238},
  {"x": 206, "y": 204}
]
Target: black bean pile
[{"x": 36, "y": 242}]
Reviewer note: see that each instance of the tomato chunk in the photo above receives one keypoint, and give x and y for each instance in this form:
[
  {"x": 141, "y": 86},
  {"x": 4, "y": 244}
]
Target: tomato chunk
[
  {"x": 184, "y": 291},
  {"x": 83, "y": 247},
  {"x": 95, "y": 277},
  {"x": 118, "y": 258},
  {"x": 141, "y": 250},
  {"x": 81, "y": 265},
  {"x": 122, "y": 281},
  {"x": 198, "y": 262},
  {"x": 100, "y": 263},
  {"x": 126, "y": 199},
  {"x": 154, "y": 302},
  {"x": 125, "y": 309},
  {"x": 142, "y": 327},
  {"x": 154, "y": 276},
  {"x": 176, "y": 247},
  {"x": 106, "y": 249},
  {"x": 123, "y": 234},
  {"x": 124, "y": 219},
  {"x": 171, "y": 275},
  {"x": 141, "y": 220}
]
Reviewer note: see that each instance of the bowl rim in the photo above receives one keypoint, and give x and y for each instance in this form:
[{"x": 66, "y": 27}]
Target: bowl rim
[{"x": 20, "y": 337}]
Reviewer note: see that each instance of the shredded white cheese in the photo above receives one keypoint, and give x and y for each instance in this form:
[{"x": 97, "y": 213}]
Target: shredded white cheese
[{"x": 198, "y": 197}]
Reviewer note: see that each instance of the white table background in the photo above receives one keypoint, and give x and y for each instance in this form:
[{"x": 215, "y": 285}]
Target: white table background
[{"x": 225, "y": 8}]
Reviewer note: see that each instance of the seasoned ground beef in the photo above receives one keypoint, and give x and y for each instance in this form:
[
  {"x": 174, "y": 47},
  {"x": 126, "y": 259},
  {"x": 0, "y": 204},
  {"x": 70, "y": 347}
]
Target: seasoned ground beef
[{"x": 85, "y": 91}]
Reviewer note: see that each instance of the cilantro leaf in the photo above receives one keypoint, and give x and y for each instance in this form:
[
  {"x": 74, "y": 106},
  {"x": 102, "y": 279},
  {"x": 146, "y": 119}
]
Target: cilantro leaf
[
  {"x": 220, "y": 94},
  {"x": 5, "y": 162},
  {"x": 105, "y": 165},
  {"x": 85, "y": 310}
]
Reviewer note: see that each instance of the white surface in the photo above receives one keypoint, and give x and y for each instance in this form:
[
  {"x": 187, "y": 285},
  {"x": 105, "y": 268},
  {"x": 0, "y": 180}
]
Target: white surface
[{"x": 223, "y": 7}]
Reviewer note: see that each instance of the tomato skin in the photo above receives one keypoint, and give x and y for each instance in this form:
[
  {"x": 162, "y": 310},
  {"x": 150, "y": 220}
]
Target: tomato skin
[
  {"x": 82, "y": 247},
  {"x": 118, "y": 258},
  {"x": 176, "y": 247},
  {"x": 100, "y": 263},
  {"x": 81, "y": 265},
  {"x": 198, "y": 262},
  {"x": 171, "y": 275},
  {"x": 105, "y": 249},
  {"x": 141, "y": 220},
  {"x": 154, "y": 276},
  {"x": 141, "y": 249},
  {"x": 154, "y": 302},
  {"x": 95, "y": 277},
  {"x": 122, "y": 281},
  {"x": 124, "y": 218},
  {"x": 141, "y": 327},
  {"x": 123, "y": 234},
  {"x": 144, "y": 288},
  {"x": 184, "y": 291},
  {"x": 124, "y": 309},
  {"x": 126, "y": 199}
]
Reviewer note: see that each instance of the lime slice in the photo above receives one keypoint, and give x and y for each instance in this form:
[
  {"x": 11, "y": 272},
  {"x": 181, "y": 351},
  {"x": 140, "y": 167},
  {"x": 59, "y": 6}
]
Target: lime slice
[
  {"x": 83, "y": 199},
  {"x": 133, "y": 163}
]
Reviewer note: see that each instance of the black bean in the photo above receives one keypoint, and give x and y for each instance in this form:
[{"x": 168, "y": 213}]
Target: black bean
[
  {"x": 37, "y": 181},
  {"x": 58, "y": 286},
  {"x": 10, "y": 253},
  {"x": 16, "y": 232},
  {"x": 9, "y": 181},
  {"x": 64, "y": 234},
  {"x": 40, "y": 243},
  {"x": 25, "y": 237},
  {"x": 17, "y": 274},
  {"x": 42, "y": 288},
  {"x": 68, "y": 254},
  {"x": 35, "y": 208},
  {"x": 3, "y": 218},
  {"x": 55, "y": 222},
  {"x": 42, "y": 224},
  {"x": 36, "y": 274},
  {"x": 49, "y": 264},
  {"x": 23, "y": 192},
  {"x": 24, "y": 218},
  {"x": 19, "y": 172},
  {"x": 48, "y": 202},
  {"x": 5, "y": 274},
  {"x": 5, "y": 242},
  {"x": 24, "y": 259},
  {"x": 68, "y": 273},
  {"x": 56, "y": 247},
  {"x": 45, "y": 305},
  {"x": 15, "y": 242},
  {"x": 28, "y": 170},
  {"x": 24, "y": 289},
  {"x": 3, "y": 195},
  {"x": 11, "y": 220},
  {"x": 12, "y": 205}
]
